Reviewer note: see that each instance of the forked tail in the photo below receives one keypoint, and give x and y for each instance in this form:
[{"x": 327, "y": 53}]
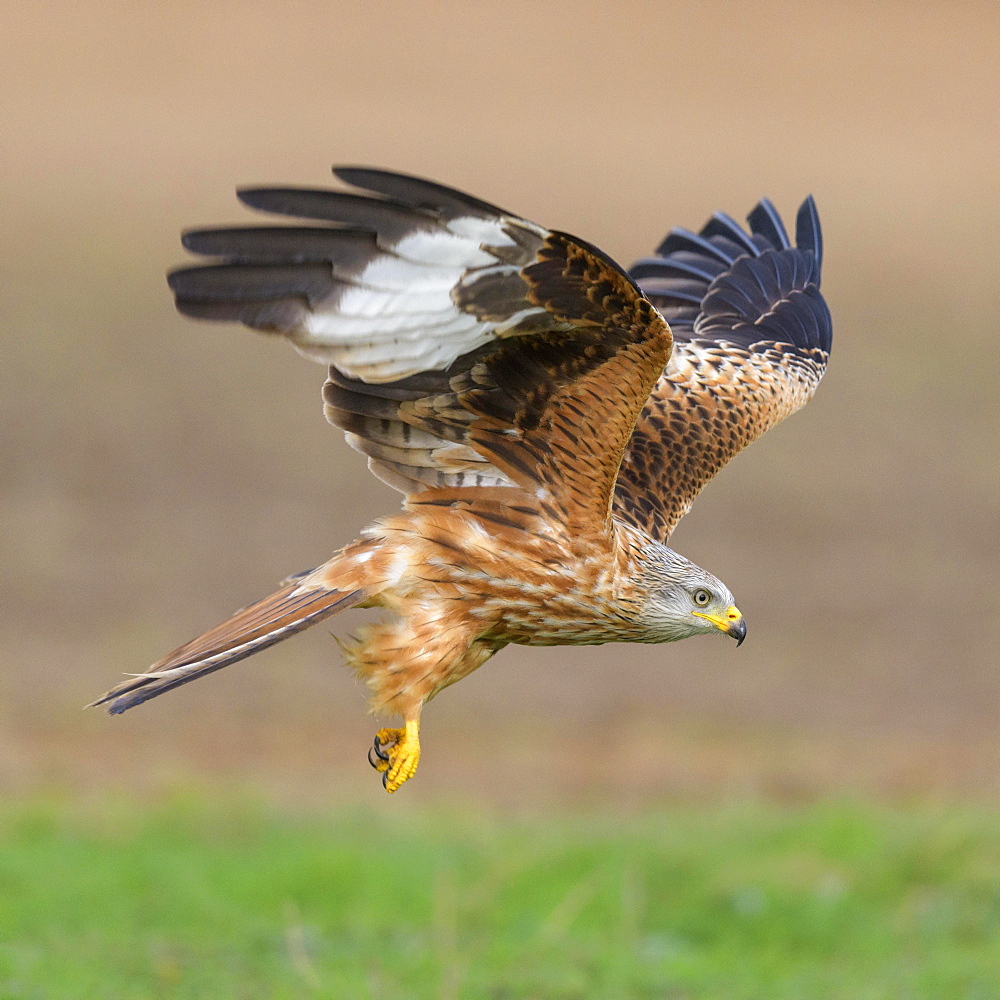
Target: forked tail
[{"x": 295, "y": 607}]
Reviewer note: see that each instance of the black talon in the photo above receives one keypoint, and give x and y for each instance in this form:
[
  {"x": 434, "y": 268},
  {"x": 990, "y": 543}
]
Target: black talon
[
  {"x": 378, "y": 751},
  {"x": 385, "y": 779},
  {"x": 371, "y": 760}
]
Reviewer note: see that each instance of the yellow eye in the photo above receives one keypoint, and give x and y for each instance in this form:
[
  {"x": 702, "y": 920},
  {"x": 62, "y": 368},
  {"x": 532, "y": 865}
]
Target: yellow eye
[{"x": 702, "y": 598}]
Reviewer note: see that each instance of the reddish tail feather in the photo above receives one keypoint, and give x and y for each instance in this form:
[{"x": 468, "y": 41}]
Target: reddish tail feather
[{"x": 291, "y": 609}]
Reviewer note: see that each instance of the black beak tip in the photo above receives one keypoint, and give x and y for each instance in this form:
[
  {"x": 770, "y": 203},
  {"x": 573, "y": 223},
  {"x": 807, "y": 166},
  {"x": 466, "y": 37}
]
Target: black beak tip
[{"x": 738, "y": 631}]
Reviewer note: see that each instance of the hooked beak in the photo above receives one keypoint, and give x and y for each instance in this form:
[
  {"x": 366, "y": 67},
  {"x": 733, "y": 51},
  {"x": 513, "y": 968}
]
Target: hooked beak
[{"x": 731, "y": 622}]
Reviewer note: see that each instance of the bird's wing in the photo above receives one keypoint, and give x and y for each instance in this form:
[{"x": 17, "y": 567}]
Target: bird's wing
[
  {"x": 467, "y": 346},
  {"x": 752, "y": 334}
]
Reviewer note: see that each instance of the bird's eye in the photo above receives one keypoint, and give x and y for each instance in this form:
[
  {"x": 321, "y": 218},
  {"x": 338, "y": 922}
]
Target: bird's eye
[{"x": 702, "y": 598}]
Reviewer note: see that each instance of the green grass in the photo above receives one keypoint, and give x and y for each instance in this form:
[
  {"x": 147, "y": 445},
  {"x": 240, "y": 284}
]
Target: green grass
[{"x": 210, "y": 899}]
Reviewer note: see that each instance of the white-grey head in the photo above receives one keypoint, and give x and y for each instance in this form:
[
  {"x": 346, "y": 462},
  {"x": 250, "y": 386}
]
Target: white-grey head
[{"x": 683, "y": 600}]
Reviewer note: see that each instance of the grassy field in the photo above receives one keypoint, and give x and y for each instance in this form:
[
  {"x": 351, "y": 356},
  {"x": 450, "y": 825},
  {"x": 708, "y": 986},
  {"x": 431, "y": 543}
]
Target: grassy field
[{"x": 206, "y": 898}]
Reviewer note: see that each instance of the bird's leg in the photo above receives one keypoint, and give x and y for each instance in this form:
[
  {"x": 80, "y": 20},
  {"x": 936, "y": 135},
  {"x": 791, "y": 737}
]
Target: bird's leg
[
  {"x": 396, "y": 753},
  {"x": 405, "y": 663}
]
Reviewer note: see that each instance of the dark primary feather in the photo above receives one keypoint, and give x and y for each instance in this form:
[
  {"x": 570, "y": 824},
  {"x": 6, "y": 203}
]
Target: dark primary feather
[
  {"x": 726, "y": 228},
  {"x": 719, "y": 248},
  {"x": 282, "y": 245},
  {"x": 240, "y": 282},
  {"x": 808, "y": 235},
  {"x": 767, "y": 223},
  {"x": 390, "y": 218},
  {"x": 678, "y": 265},
  {"x": 445, "y": 201}
]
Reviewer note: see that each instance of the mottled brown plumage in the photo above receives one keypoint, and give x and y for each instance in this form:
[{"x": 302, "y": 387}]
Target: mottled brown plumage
[{"x": 526, "y": 396}]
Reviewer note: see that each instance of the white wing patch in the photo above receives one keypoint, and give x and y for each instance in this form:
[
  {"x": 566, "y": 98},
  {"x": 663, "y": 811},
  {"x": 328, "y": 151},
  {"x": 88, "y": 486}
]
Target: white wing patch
[{"x": 397, "y": 316}]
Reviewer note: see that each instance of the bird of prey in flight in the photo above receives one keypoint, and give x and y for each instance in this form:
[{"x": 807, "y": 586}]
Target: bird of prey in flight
[{"x": 547, "y": 415}]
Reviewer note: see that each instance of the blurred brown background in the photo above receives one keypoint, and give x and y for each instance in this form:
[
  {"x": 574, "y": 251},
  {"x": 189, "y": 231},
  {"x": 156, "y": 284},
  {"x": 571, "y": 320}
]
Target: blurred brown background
[{"x": 158, "y": 473}]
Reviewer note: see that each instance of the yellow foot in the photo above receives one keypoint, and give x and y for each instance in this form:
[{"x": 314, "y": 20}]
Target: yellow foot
[{"x": 396, "y": 753}]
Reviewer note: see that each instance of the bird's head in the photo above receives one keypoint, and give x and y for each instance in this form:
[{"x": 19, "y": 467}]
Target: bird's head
[{"x": 684, "y": 600}]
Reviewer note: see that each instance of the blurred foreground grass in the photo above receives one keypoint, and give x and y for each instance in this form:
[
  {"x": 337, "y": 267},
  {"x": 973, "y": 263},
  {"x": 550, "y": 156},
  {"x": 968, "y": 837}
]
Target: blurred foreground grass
[{"x": 202, "y": 897}]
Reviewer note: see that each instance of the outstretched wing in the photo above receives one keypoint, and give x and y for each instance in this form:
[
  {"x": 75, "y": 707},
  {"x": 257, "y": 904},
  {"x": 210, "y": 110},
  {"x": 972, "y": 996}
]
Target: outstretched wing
[
  {"x": 467, "y": 346},
  {"x": 752, "y": 334}
]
